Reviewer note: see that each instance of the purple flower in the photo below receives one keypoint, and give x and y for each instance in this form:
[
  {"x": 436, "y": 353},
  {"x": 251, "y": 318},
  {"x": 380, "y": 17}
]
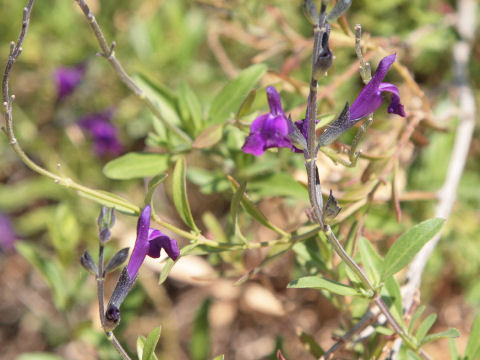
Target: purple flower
[
  {"x": 369, "y": 100},
  {"x": 7, "y": 233},
  {"x": 269, "y": 130},
  {"x": 103, "y": 132},
  {"x": 149, "y": 243},
  {"x": 68, "y": 78}
]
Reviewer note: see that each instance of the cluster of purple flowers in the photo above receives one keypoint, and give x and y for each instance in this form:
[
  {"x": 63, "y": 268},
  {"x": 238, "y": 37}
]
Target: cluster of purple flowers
[
  {"x": 272, "y": 130},
  {"x": 98, "y": 125}
]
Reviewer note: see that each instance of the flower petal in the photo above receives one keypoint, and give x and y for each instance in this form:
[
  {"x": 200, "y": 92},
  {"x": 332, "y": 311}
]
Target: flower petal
[
  {"x": 274, "y": 101},
  {"x": 141, "y": 244},
  {"x": 159, "y": 241},
  {"x": 68, "y": 78},
  {"x": 370, "y": 97},
  {"x": 395, "y": 106}
]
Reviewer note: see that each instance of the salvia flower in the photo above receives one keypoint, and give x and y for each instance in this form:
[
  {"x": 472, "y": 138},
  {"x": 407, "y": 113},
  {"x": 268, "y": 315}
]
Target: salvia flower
[
  {"x": 369, "y": 100},
  {"x": 68, "y": 78},
  {"x": 149, "y": 242},
  {"x": 8, "y": 236},
  {"x": 269, "y": 130},
  {"x": 103, "y": 132}
]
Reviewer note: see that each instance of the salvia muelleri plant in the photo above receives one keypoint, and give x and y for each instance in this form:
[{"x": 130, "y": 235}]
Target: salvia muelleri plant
[{"x": 235, "y": 144}]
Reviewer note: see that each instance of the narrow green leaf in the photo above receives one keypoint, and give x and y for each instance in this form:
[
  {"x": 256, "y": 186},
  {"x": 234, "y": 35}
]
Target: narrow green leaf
[
  {"x": 235, "y": 204},
  {"x": 188, "y": 100},
  {"x": 151, "y": 344},
  {"x": 252, "y": 210},
  {"x": 317, "y": 282},
  {"x": 246, "y": 104},
  {"x": 416, "y": 315},
  {"x": 425, "y": 327},
  {"x": 454, "y": 355},
  {"x": 231, "y": 96},
  {"x": 412, "y": 356},
  {"x": 179, "y": 192},
  {"x": 450, "y": 333},
  {"x": 200, "y": 344},
  {"x": 473, "y": 346},
  {"x": 311, "y": 345},
  {"x": 140, "y": 344},
  {"x": 384, "y": 330},
  {"x": 209, "y": 137},
  {"x": 136, "y": 165},
  {"x": 162, "y": 97},
  {"x": 219, "y": 357},
  {"x": 169, "y": 263},
  {"x": 409, "y": 244},
  {"x": 371, "y": 260},
  {"x": 152, "y": 185},
  {"x": 393, "y": 290}
]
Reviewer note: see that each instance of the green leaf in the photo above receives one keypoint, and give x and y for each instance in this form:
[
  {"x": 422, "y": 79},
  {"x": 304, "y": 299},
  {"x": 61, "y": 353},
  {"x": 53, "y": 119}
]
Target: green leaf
[
  {"x": 179, "y": 192},
  {"x": 136, "y": 165},
  {"x": 163, "y": 98},
  {"x": 209, "y": 137},
  {"x": 425, "y": 327},
  {"x": 252, "y": 210},
  {"x": 169, "y": 263},
  {"x": 371, "y": 260},
  {"x": 416, "y": 315},
  {"x": 473, "y": 346},
  {"x": 317, "y": 282},
  {"x": 411, "y": 355},
  {"x": 200, "y": 344},
  {"x": 393, "y": 290},
  {"x": 454, "y": 355},
  {"x": 311, "y": 345},
  {"x": 234, "y": 206},
  {"x": 409, "y": 244},
  {"x": 230, "y": 98},
  {"x": 219, "y": 357},
  {"x": 450, "y": 333},
  {"x": 189, "y": 101},
  {"x": 151, "y": 344},
  {"x": 246, "y": 104},
  {"x": 152, "y": 185}
]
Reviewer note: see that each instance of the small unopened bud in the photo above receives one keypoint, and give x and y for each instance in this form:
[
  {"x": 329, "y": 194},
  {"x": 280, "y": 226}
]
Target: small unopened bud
[
  {"x": 310, "y": 11},
  {"x": 296, "y": 136},
  {"x": 105, "y": 221},
  {"x": 331, "y": 209},
  {"x": 117, "y": 260},
  {"x": 325, "y": 56},
  {"x": 88, "y": 263}
]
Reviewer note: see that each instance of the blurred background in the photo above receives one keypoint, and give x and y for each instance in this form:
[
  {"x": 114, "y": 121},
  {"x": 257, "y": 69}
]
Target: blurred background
[{"x": 47, "y": 301}]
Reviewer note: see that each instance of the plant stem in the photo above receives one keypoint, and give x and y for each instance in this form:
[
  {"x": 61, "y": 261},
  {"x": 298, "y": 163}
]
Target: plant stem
[
  {"x": 109, "y": 54},
  {"x": 101, "y": 304}
]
